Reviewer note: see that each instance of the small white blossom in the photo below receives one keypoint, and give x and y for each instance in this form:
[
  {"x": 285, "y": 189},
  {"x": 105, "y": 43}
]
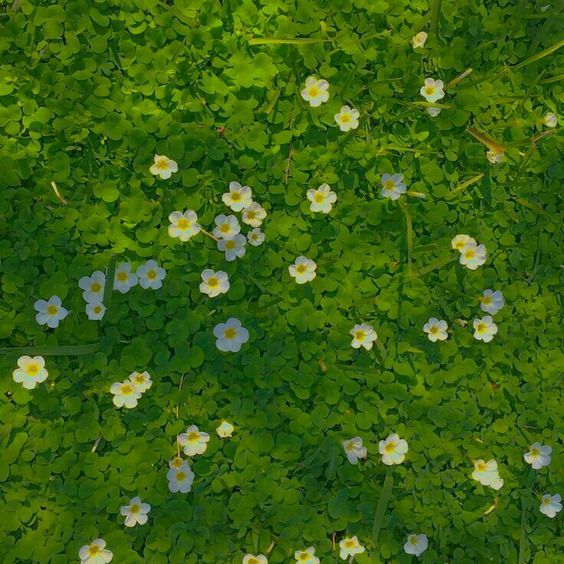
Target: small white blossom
[
  {"x": 180, "y": 476},
  {"x": 363, "y": 336},
  {"x": 487, "y": 474},
  {"x": 432, "y": 90},
  {"x": 538, "y": 456},
  {"x": 125, "y": 394},
  {"x": 163, "y": 167},
  {"x": 252, "y": 559},
  {"x": 393, "y": 186},
  {"x": 484, "y": 329},
  {"x": 124, "y": 279},
  {"x": 416, "y": 544},
  {"x": 30, "y": 372},
  {"x": 436, "y": 330},
  {"x": 95, "y": 311},
  {"x": 550, "y": 120},
  {"x": 93, "y": 287},
  {"x": 225, "y": 430},
  {"x": 472, "y": 256},
  {"x": 151, "y": 275},
  {"x": 350, "y": 546},
  {"x": 316, "y": 91},
  {"x": 354, "y": 449},
  {"x": 492, "y": 302},
  {"x": 193, "y": 441},
  {"x": 303, "y": 270},
  {"x": 230, "y": 335},
  {"x": 136, "y": 513},
  {"x": 214, "y": 283},
  {"x": 550, "y": 505},
  {"x": 256, "y": 237},
  {"x": 347, "y": 118},
  {"x": 306, "y": 556},
  {"x": 460, "y": 241},
  {"x": 183, "y": 225},
  {"x": 50, "y": 312},
  {"x": 95, "y": 553},
  {"x": 253, "y": 215},
  {"x": 393, "y": 449},
  {"x": 418, "y": 40},
  {"x": 141, "y": 380},
  {"x": 233, "y": 248},
  {"x": 227, "y": 226},
  {"x": 322, "y": 199},
  {"x": 238, "y": 197}
]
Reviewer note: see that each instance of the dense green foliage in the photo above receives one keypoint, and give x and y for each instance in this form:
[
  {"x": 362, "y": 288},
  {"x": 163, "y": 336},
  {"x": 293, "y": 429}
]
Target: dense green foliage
[{"x": 90, "y": 91}]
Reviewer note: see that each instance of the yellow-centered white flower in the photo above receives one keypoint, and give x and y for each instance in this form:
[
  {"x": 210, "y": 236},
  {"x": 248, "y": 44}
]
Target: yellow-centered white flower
[
  {"x": 432, "y": 90},
  {"x": 350, "y": 546},
  {"x": 141, "y": 380},
  {"x": 95, "y": 553},
  {"x": 238, "y": 197},
  {"x": 163, "y": 167},
  {"x": 306, "y": 556},
  {"x": 419, "y": 39},
  {"x": 252, "y": 559},
  {"x": 125, "y": 394},
  {"x": 472, "y": 256},
  {"x": 416, "y": 544},
  {"x": 193, "y": 441},
  {"x": 316, "y": 91},
  {"x": 436, "y": 330},
  {"x": 183, "y": 225},
  {"x": 492, "y": 302},
  {"x": 233, "y": 248},
  {"x": 225, "y": 430},
  {"x": 393, "y": 186},
  {"x": 322, "y": 199},
  {"x": 227, "y": 226},
  {"x": 363, "y": 336},
  {"x": 151, "y": 275},
  {"x": 354, "y": 449},
  {"x": 136, "y": 513},
  {"x": 124, "y": 279},
  {"x": 460, "y": 241},
  {"x": 538, "y": 456},
  {"x": 551, "y": 505},
  {"x": 255, "y": 237},
  {"x": 50, "y": 312},
  {"x": 95, "y": 311},
  {"x": 93, "y": 287},
  {"x": 180, "y": 476},
  {"x": 347, "y": 118},
  {"x": 303, "y": 270},
  {"x": 230, "y": 335},
  {"x": 393, "y": 449},
  {"x": 550, "y": 120},
  {"x": 487, "y": 474},
  {"x": 30, "y": 371},
  {"x": 254, "y": 215},
  {"x": 214, "y": 283},
  {"x": 484, "y": 329}
]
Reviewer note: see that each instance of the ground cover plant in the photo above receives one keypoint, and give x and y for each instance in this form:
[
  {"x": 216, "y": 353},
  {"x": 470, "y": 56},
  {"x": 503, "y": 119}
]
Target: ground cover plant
[{"x": 280, "y": 281}]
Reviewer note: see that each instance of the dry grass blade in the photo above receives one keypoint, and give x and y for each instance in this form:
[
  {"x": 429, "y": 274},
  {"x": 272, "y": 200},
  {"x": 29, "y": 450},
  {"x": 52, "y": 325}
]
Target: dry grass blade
[
  {"x": 58, "y": 194},
  {"x": 485, "y": 140},
  {"x": 458, "y": 78}
]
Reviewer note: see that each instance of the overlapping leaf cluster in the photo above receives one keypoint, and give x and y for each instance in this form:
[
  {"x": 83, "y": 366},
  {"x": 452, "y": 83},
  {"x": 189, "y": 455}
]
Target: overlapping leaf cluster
[{"x": 90, "y": 91}]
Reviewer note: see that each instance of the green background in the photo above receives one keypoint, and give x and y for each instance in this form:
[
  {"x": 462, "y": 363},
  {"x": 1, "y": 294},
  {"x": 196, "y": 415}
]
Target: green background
[{"x": 90, "y": 91}]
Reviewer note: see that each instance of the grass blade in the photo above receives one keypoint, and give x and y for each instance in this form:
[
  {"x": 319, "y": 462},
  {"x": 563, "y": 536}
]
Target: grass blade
[
  {"x": 523, "y": 537},
  {"x": 435, "y": 13},
  {"x": 485, "y": 140},
  {"x": 465, "y": 184},
  {"x": 56, "y": 350},
  {"x": 288, "y": 40},
  {"x": 540, "y": 55},
  {"x": 409, "y": 236},
  {"x": 382, "y": 506}
]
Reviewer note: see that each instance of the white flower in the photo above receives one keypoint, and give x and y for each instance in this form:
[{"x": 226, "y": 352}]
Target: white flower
[
  {"x": 95, "y": 553},
  {"x": 256, "y": 237},
  {"x": 354, "y": 449},
  {"x": 432, "y": 90},
  {"x": 253, "y": 215},
  {"x": 93, "y": 287},
  {"x": 322, "y": 199},
  {"x": 230, "y": 335},
  {"x": 183, "y": 225},
  {"x": 303, "y": 270},
  {"x": 233, "y": 248},
  {"x": 124, "y": 279},
  {"x": 125, "y": 394},
  {"x": 495, "y": 156},
  {"x": 306, "y": 556},
  {"x": 225, "y": 430},
  {"x": 141, "y": 380},
  {"x": 193, "y": 441},
  {"x": 393, "y": 450},
  {"x": 180, "y": 476},
  {"x": 227, "y": 226},
  {"x": 538, "y": 456},
  {"x": 487, "y": 474},
  {"x": 347, "y": 118},
  {"x": 50, "y": 312},
  {"x": 416, "y": 544},
  {"x": 151, "y": 275},
  {"x": 315, "y": 91},
  {"x": 214, "y": 283},
  {"x": 418, "y": 40},
  {"x": 363, "y": 336},
  {"x": 460, "y": 241},
  {"x": 436, "y": 330},
  {"x": 484, "y": 329},
  {"x": 392, "y": 186},
  {"x": 550, "y": 120},
  {"x": 472, "y": 256},
  {"x": 349, "y": 547},
  {"x": 30, "y": 372},
  {"x": 433, "y": 112},
  {"x": 95, "y": 311},
  {"x": 551, "y": 505},
  {"x": 252, "y": 559},
  {"x": 238, "y": 197},
  {"x": 163, "y": 167},
  {"x": 492, "y": 302},
  {"x": 135, "y": 513}
]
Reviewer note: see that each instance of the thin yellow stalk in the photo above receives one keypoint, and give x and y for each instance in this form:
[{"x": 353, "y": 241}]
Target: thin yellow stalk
[
  {"x": 58, "y": 194},
  {"x": 460, "y": 77}
]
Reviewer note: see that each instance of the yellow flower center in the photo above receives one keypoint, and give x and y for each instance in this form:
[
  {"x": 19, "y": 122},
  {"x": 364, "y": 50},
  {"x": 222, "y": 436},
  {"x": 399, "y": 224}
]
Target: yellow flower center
[
  {"x": 134, "y": 508},
  {"x": 319, "y": 197},
  {"x": 433, "y": 330},
  {"x": 235, "y": 196},
  {"x": 213, "y": 282},
  {"x": 301, "y": 268},
  {"x": 346, "y": 118},
  {"x": 52, "y": 309},
  {"x": 303, "y": 556},
  {"x": 230, "y": 245},
  {"x": 313, "y": 91},
  {"x": 126, "y": 390},
  {"x": 193, "y": 436},
  {"x": 122, "y": 276},
  {"x": 481, "y": 327},
  {"x": 151, "y": 275},
  {"x": 253, "y": 561},
  {"x": 429, "y": 90},
  {"x": 349, "y": 544},
  {"x": 481, "y": 466},
  {"x": 251, "y": 215},
  {"x": 183, "y": 223},
  {"x": 487, "y": 300},
  {"x": 470, "y": 253},
  {"x": 177, "y": 462},
  {"x": 180, "y": 476},
  {"x": 390, "y": 447},
  {"x": 95, "y": 287},
  {"x": 350, "y": 446},
  {"x": 230, "y": 333},
  {"x": 546, "y": 501},
  {"x": 162, "y": 163},
  {"x": 360, "y": 335},
  {"x": 93, "y": 550},
  {"x": 413, "y": 539},
  {"x": 389, "y": 185},
  {"x": 97, "y": 309},
  {"x": 534, "y": 452},
  {"x": 33, "y": 369},
  {"x": 224, "y": 228}
]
